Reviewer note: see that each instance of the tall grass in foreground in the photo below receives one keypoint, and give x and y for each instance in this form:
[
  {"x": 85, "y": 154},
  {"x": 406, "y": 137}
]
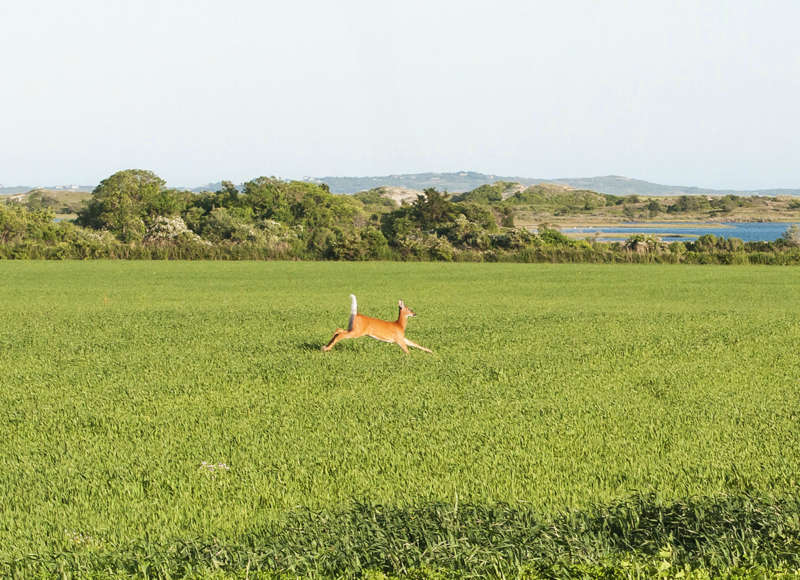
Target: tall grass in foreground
[
  {"x": 738, "y": 535},
  {"x": 152, "y": 411}
]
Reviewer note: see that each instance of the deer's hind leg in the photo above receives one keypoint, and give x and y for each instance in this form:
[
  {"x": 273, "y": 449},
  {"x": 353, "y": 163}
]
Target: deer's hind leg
[{"x": 337, "y": 336}]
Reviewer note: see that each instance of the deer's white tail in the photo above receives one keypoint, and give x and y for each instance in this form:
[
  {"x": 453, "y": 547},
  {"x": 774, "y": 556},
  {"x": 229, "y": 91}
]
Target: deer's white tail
[{"x": 353, "y": 311}]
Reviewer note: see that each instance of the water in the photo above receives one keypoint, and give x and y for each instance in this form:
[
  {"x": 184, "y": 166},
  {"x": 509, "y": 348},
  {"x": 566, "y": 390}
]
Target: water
[{"x": 687, "y": 232}]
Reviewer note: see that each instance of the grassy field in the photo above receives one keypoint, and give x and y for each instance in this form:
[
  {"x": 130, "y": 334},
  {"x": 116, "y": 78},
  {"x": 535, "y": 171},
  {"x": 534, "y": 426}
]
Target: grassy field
[{"x": 149, "y": 403}]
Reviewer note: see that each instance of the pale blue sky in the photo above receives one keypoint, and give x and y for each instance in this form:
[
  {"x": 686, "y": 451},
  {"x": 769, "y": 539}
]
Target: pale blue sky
[{"x": 682, "y": 92}]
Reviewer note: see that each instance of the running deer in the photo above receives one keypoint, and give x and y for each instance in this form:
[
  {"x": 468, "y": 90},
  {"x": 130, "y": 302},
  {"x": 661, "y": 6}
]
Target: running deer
[{"x": 384, "y": 330}]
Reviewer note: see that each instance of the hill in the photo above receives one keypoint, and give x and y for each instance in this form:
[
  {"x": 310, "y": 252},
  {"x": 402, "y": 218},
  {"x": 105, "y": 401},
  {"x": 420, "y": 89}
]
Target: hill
[
  {"x": 543, "y": 196},
  {"x": 619, "y": 185},
  {"x": 61, "y": 201},
  {"x": 452, "y": 182},
  {"x": 463, "y": 181},
  {"x": 502, "y": 190},
  {"x": 213, "y": 186},
  {"x": 387, "y": 197}
]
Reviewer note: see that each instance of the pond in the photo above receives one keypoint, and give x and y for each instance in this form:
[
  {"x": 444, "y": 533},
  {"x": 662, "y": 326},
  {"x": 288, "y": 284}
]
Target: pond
[{"x": 686, "y": 232}]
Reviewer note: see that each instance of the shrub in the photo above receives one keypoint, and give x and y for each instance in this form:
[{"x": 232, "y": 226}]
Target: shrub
[
  {"x": 791, "y": 237},
  {"x": 166, "y": 230}
]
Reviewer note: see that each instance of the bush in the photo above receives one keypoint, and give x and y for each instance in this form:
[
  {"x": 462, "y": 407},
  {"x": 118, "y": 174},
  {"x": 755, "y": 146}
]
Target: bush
[
  {"x": 791, "y": 237},
  {"x": 551, "y": 236}
]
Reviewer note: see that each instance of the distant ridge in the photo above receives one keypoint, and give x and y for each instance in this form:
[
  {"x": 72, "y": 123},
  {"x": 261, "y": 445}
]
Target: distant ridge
[
  {"x": 619, "y": 185},
  {"x": 15, "y": 189},
  {"x": 457, "y": 182},
  {"x": 462, "y": 181}
]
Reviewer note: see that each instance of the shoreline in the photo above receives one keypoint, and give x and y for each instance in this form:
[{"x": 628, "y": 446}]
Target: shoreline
[{"x": 589, "y": 223}]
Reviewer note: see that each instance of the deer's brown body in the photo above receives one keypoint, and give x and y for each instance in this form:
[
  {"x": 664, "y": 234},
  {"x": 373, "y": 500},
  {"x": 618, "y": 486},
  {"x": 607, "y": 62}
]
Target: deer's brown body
[{"x": 385, "y": 330}]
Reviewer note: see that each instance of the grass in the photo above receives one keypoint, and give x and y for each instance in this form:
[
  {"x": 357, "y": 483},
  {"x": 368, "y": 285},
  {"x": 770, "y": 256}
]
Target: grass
[
  {"x": 733, "y": 536},
  {"x": 553, "y": 389}
]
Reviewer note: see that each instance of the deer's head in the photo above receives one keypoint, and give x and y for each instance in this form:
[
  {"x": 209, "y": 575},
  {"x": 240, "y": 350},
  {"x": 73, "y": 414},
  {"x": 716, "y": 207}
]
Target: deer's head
[{"x": 405, "y": 311}]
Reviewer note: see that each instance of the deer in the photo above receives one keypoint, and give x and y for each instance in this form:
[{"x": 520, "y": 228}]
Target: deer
[{"x": 383, "y": 330}]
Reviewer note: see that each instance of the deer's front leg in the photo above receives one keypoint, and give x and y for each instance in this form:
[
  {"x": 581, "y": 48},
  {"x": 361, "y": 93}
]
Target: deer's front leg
[{"x": 415, "y": 345}]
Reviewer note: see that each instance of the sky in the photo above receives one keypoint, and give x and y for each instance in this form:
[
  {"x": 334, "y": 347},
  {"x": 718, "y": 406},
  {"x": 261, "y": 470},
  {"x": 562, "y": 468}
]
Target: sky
[{"x": 700, "y": 93}]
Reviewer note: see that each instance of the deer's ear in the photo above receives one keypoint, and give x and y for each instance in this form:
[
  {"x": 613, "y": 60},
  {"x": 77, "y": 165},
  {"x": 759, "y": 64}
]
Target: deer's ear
[{"x": 400, "y": 304}]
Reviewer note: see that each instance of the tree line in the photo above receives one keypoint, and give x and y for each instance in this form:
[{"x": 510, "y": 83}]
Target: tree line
[{"x": 133, "y": 215}]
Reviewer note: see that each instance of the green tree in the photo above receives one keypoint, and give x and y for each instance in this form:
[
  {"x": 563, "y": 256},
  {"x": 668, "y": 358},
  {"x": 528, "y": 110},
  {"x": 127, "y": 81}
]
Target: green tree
[
  {"x": 17, "y": 223},
  {"x": 705, "y": 243},
  {"x": 229, "y": 190},
  {"x": 507, "y": 220},
  {"x": 269, "y": 199},
  {"x": 654, "y": 207},
  {"x": 398, "y": 224},
  {"x": 121, "y": 202},
  {"x": 687, "y": 203},
  {"x": 465, "y": 233},
  {"x": 432, "y": 209},
  {"x": 725, "y": 204},
  {"x": 13, "y": 222}
]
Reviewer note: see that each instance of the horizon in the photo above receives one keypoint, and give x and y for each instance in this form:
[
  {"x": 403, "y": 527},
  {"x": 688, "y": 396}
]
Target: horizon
[
  {"x": 670, "y": 92},
  {"x": 309, "y": 178}
]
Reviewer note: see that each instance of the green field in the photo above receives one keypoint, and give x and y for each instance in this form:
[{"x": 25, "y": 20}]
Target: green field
[{"x": 551, "y": 388}]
